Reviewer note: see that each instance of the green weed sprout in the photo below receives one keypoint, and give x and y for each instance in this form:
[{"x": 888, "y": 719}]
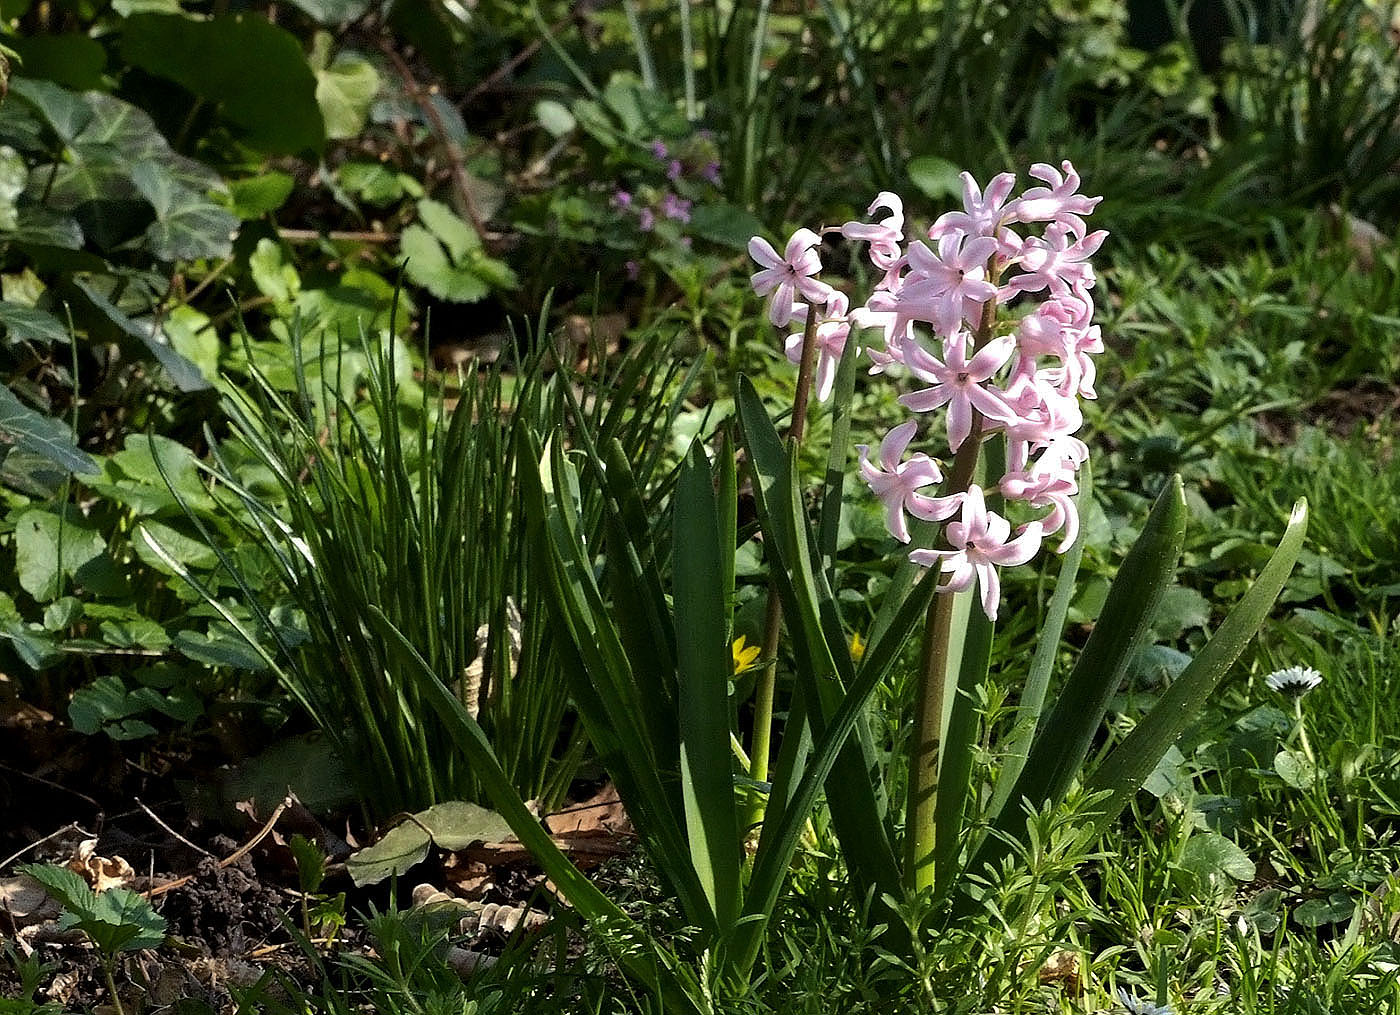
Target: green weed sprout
[{"x": 116, "y": 920}]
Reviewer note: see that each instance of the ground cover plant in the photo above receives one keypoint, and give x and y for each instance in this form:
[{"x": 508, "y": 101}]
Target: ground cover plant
[{"x": 398, "y": 427}]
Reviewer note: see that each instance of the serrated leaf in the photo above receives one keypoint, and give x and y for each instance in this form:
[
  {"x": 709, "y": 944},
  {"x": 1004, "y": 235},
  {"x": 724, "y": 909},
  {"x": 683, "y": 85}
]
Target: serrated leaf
[
  {"x": 427, "y": 265},
  {"x": 117, "y": 920},
  {"x": 42, "y": 435}
]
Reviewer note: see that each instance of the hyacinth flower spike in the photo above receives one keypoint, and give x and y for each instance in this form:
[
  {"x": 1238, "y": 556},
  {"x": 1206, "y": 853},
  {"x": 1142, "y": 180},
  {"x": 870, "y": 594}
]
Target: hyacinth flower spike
[{"x": 980, "y": 540}]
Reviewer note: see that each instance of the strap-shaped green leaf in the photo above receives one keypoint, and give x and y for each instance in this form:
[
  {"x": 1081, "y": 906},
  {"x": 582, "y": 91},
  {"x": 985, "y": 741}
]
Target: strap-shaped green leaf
[
  {"x": 603, "y": 685},
  {"x": 819, "y": 645},
  {"x": 707, "y": 784},
  {"x": 955, "y": 768},
  {"x": 1047, "y": 646},
  {"x": 1132, "y": 761},
  {"x": 780, "y": 835},
  {"x": 1122, "y": 627}
]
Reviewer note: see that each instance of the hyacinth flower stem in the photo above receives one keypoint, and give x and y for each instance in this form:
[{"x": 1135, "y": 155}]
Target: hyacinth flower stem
[
  {"x": 930, "y": 695},
  {"x": 764, "y": 693}
]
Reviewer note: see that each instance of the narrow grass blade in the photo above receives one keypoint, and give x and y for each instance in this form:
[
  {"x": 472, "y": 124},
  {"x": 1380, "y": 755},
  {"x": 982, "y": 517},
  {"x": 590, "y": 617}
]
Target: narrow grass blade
[
  {"x": 707, "y": 784},
  {"x": 1132, "y": 761},
  {"x": 582, "y": 894}
]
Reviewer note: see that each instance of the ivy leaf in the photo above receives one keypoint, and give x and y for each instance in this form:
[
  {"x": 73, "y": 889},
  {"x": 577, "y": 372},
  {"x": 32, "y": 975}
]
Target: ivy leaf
[
  {"x": 182, "y": 373},
  {"x": 30, "y": 324},
  {"x": 64, "y": 112},
  {"x": 333, "y": 12},
  {"x": 44, "y": 227},
  {"x": 42, "y": 435},
  {"x": 188, "y": 225},
  {"x": 14, "y": 174}
]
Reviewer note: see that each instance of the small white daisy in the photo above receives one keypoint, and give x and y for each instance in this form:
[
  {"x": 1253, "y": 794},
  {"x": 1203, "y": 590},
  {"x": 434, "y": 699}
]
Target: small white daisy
[
  {"x": 1136, "y": 1007},
  {"x": 1294, "y": 681}
]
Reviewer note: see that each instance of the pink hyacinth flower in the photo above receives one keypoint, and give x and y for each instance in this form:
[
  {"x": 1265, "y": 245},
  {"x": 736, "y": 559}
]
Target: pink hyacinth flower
[
  {"x": 982, "y": 214},
  {"x": 957, "y": 383},
  {"x": 1059, "y": 202},
  {"x": 980, "y": 541},
  {"x": 1054, "y": 263},
  {"x": 897, "y": 483},
  {"x": 948, "y": 287},
  {"x": 884, "y": 237},
  {"x": 1049, "y": 484},
  {"x": 788, "y": 276}
]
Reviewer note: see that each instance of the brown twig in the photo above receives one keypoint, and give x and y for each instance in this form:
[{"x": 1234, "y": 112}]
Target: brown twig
[
  {"x": 232, "y": 858},
  {"x": 337, "y": 236},
  {"x": 456, "y": 164},
  {"x": 72, "y": 826},
  {"x": 51, "y": 785},
  {"x": 156, "y": 818}
]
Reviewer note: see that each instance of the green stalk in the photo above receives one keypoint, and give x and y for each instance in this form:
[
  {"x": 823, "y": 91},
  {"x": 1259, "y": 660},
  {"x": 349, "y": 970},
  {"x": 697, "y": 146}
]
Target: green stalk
[
  {"x": 765, "y": 692},
  {"x": 930, "y": 700},
  {"x": 750, "y": 160}
]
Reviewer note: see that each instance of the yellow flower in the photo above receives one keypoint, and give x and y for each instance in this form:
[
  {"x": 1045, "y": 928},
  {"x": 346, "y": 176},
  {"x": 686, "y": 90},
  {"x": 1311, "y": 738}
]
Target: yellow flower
[
  {"x": 744, "y": 655},
  {"x": 857, "y": 647}
]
